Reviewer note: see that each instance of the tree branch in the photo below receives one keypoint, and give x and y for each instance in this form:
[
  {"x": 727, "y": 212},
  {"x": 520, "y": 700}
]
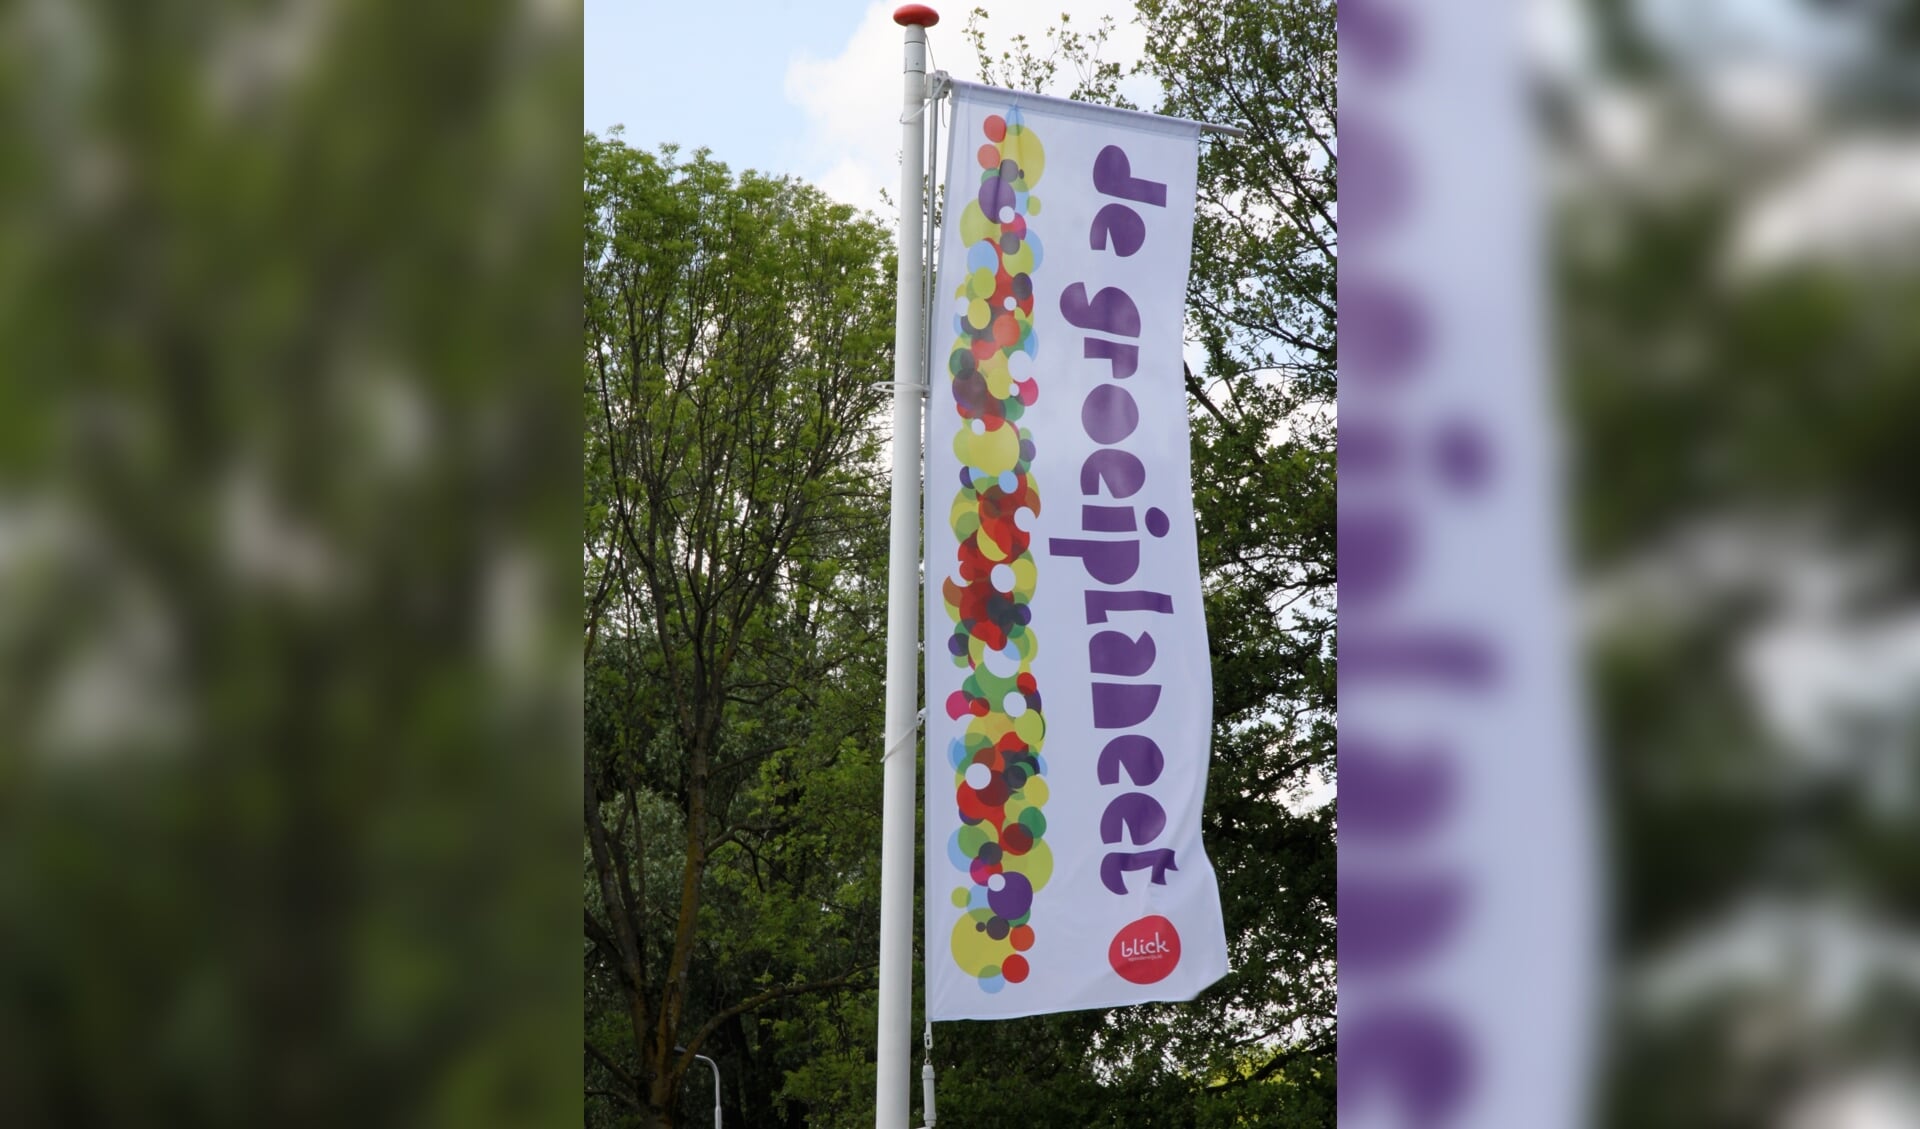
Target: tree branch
[
  {"x": 619, "y": 1075},
  {"x": 767, "y": 997}
]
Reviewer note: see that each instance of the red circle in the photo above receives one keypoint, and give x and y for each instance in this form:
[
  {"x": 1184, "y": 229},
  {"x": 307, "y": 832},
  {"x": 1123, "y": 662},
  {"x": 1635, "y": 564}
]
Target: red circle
[
  {"x": 972, "y": 808},
  {"x": 1145, "y": 951},
  {"x": 1014, "y": 968},
  {"x": 915, "y": 15},
  {"x": 1021, "y": 937},
  {"x": 995, "y": 127},
  {"x": 988, "y": 156}
]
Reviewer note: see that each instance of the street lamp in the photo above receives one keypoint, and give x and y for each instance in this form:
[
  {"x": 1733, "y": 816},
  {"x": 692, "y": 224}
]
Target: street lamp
[{"x": 716, "y": 1083}]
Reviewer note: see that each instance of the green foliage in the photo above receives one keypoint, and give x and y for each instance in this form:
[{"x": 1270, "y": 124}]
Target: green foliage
[
  {"x": 734, "y": 329},
  {"x": 287, "y": 741},
  {"x": 1262, "y": 295},
  {"x": 1772, "y": 419},
  {"x": 1019, "y": 67},
  {"x": 1742, "y": 432}
]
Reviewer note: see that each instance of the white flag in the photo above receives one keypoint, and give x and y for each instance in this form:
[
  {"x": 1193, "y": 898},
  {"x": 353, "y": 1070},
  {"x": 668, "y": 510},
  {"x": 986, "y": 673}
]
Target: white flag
[{"x": 1069, "y": 698}]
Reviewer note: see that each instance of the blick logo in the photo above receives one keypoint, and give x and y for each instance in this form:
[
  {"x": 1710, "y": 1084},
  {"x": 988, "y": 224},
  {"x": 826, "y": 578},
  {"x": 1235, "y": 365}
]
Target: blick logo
[{"x": 1146, "y": 950}]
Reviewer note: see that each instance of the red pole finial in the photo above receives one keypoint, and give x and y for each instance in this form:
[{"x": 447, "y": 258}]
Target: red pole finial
[{"x": 915, "y": 15}]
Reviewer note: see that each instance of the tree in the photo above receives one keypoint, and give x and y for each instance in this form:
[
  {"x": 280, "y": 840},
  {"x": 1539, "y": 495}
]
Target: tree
[
  {"x": 1261, "y": 306},
  {"x": 735, "y": 328},
  {"x": 1741, "y": 424}
]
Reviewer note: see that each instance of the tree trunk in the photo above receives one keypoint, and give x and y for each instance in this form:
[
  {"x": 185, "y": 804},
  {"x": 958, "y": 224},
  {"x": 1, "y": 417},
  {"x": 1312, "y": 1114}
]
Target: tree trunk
[{"x": 662, "y": 1101}]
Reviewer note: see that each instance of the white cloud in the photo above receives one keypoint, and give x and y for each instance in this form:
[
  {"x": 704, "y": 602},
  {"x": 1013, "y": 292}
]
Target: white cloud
[{"x": 852, "y": 100}]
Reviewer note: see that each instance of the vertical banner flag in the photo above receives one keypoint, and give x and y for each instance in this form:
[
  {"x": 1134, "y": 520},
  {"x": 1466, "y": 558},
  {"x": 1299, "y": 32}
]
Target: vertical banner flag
[{"x": 1069, "y": 699}]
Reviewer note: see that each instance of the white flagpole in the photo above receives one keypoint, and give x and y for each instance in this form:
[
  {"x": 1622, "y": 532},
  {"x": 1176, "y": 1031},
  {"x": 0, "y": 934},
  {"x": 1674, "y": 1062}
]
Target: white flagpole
[{"x": 899, "y": 772}]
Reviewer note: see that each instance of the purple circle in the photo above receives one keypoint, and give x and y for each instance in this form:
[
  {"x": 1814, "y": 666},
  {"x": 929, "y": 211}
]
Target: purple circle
[
  {"x": 1376, "y": 35},
  {"x": 1465, "y": 461},
  {"x": 995, "y": 193},
  {"x": 1157, "y": 523},
  {"x": 1377, "y": 181},
  {"x": 1383, "y": 331},
  {"x": 1109, "y": 414},
  {"x": 1013, "y": 899},
  {"x": 1367, "y": 448}
]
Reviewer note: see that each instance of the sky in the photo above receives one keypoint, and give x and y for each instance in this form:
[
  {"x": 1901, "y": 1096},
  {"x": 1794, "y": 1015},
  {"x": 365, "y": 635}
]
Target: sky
[{"x": 810, "y": 90}]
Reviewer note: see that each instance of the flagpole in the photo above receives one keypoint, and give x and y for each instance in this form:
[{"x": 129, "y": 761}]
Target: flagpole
[{"x": 899, "y": 765}]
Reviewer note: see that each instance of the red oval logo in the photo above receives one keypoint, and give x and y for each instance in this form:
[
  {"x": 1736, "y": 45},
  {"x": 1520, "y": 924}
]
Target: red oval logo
[{"x": 1146, "y": 950}]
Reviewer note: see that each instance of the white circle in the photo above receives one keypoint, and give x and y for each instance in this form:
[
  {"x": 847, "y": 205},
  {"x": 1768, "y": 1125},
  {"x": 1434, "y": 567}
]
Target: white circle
[
  {"x": 1006, "y": 213},
  {"x": 1009, "y": 302},
  {"x": 979, "y": 776},
  {"x": 1014, "y": 704},
  {"x": 1003, "y": 663},
  {"x": 996, "y": 882},
  {"x": 1003, "y": 578},
  {"x": 1023, "y": 519}
]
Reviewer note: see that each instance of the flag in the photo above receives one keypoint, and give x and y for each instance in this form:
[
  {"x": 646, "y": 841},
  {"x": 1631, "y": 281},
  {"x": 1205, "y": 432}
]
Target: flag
[{"x": 1069, "y": 697}]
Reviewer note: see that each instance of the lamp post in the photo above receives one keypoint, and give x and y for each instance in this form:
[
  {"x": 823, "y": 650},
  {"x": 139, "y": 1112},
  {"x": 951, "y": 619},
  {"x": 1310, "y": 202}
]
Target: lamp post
[{"x": 716, "y": 1083}]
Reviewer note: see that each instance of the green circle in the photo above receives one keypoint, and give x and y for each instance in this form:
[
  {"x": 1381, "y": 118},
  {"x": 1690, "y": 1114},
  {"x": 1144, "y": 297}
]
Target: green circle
[{"x": 972, "y": 838}]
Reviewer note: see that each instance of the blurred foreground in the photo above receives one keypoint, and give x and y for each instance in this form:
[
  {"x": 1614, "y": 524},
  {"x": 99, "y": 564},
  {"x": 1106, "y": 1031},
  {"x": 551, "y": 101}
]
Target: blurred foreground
[
  {"x": 289, "y": 690},
  {"x": 1727, "y": 251},
  {"x": 1737, "y": 298}
]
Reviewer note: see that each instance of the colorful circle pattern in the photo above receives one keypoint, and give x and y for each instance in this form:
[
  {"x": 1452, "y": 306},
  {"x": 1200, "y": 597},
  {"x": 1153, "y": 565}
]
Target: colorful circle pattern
[{"x": 999, "y": 775}]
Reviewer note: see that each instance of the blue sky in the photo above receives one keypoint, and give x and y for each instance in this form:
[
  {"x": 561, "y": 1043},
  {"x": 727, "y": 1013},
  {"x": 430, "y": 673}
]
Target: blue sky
[
  {"x": 708, "y": 73},
  {"x": 811, "y": 90}
]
